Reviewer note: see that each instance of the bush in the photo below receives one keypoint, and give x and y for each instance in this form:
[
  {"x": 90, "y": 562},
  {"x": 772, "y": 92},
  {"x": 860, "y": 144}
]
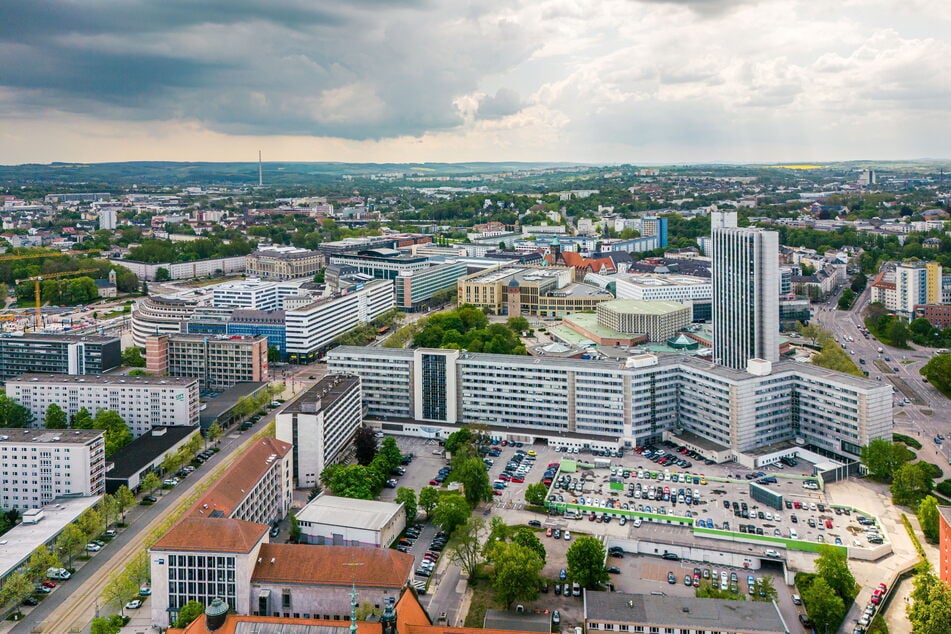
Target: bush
[
  {"x": 934, "y": 470},
  {"x": 944, "y": 488},
  {"x": 912, "y": 535},
  {"x": 907, "y": 440}
]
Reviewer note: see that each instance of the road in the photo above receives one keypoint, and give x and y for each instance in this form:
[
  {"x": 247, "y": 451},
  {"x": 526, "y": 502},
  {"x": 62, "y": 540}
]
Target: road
[
  {"x": 69, "y": 610},
  {"x": 915, "y": 418}
]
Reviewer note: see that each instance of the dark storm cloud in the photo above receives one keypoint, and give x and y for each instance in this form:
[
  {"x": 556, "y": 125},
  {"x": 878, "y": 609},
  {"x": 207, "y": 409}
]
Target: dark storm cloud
[
  {"x": 505, "y": 102},
  {"x": 356, "y": 69}
]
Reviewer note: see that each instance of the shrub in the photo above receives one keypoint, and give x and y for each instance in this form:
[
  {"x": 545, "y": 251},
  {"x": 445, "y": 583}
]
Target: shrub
[
  {"x": 907, "y": 440},
  {"x": 934, "y": 470},
  {"x": 944, "y": 488},
  {"x": 912, "y": 535}
]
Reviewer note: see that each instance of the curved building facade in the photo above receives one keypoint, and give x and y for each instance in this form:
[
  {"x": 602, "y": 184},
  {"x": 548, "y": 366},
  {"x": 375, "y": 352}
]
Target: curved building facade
[{"x": 160, "y": 315}]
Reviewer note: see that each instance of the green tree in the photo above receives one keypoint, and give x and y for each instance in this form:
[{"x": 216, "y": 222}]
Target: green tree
[
  {"x": 214, "y": 432},
  {"x": 535, "y": 494},
  {"x": 846, "y": 299},
  {"x": 117, "y": 433},
  {"x": 189, "y": 612},
  {"x": 162, "y": 274},
  {"x": 55, "y": 417},
  {"x": 451, "y": 511},
  {"x": 119, "y": 590},
  {"x": 407, "y": 497},
  {"x": 457, "y": 440},
  {"x": 938, "y": 373},
  {"x": 428, "y": 499},
  {"x": 930, "y": 608},
  {"x": 883, "y": 458},
  {"x": 90, "y": 523},
  {"x": 139, "y": 569},
  {"x": 273, "y": 354},
  {"x": 16, "y": 587},
  {"x": 897, "y": 334},
  {"x": 351, "y": 481},
  {"x": 124, "y": 501},
  {"x": 70, "y": 540},
  {"x": 516, "y": 574},
  {"x": 518, "y": 324},
  {"x": 150, "y": 482},
  {"x": 832, "y": 565},
  {"x": 586, "y": 561},
  {"x": 105, "y": 625},
  {"x": 825, "y": 608},
  {"x": 389, "y": 454},
  {"x": 466, "y": 545},
  {"x": 811, "y": 332},
  {"x": 764, "y": 589},
  {"x": 928, "y": 518},
  {"x": 364, "y": 444},
  {"x": 912, "y": 483},
  {"x": 524, "y": 536},
  {"x": 40, "y": 561},
  {"x": 133, "y": 358},
  {"x": 472, "y": 473},
  {"x": 82, "y": 419},
  {"x": 12, "y": 414}
]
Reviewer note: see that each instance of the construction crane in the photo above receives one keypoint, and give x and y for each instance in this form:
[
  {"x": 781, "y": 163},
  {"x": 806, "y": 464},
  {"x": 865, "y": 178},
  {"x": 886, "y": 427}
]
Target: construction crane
[{"x": 39, "y": 278}]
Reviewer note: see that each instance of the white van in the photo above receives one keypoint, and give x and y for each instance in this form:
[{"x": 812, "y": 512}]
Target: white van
[{"x": 793, "y": 534}]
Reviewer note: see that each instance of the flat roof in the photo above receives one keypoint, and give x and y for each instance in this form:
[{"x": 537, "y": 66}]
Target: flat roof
[
  {"x": 215, "y": 407},
  {"x": 526, "y": 621},
  {"x": 645, "y": 307},
  {"x": 60, "y": 436},
  {"x": 325, "y": 392},
  {"x": 106, "y": 379},
  {"x": 660, "y": 280},
  {"x": 19, "y": 542},
  {"x": 589, "y": 321},
  {"x": 140, "y": 452},
  {"x": 349, "y": 512},
  {"x": 683, "y": 612},
  {"x": 58, "y": 338},
  {"x": 578, "y": 289}
]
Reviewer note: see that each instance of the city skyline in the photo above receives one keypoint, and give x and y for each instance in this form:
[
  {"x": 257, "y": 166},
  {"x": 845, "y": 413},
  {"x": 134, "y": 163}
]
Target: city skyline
[{"x": 650, "y": 81}]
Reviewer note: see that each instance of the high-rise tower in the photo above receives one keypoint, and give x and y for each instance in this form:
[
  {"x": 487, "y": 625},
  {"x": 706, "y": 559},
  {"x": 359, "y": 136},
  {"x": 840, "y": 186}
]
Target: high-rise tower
[{"x": 745, "y": 292}]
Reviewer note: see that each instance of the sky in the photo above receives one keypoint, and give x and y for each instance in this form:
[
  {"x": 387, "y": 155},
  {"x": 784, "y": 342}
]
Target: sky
[{"x": 592, "y": 81}]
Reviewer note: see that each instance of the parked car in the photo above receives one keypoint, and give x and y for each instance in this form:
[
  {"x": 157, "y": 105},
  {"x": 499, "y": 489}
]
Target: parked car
[{"x": 93, "y": 548}]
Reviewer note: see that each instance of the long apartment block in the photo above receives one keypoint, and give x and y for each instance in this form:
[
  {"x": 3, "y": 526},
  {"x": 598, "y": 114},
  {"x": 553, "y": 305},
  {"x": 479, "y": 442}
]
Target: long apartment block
[{"x": 627, "y": 403}]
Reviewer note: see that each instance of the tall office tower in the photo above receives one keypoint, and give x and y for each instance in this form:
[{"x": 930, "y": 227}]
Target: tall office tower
[{"x": 745, "y": 292}]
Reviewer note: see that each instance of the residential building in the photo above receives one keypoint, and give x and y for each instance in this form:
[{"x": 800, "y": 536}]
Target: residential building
[
  {"x": 655, "y": 226},
  {"x": 145, "y": 454},
  {"x": 944, "y": 543},
  {"x": 320, "y": 424},
  {"x": 283, "y": 263},
  {"x": 938, "y": 315},
  {"x": 653, "y": 613},
  {"x": 916, "y": 283},
  {"x": 218, "y": 362},
  {"x": 40, "y": 465},
  {"x": 143, "y": 402},
  {"x": 527, "y": 290},
  {"x": 604, "y": 403},
  {"x": 349, "y": 522},
  {"x": 312, "y": 327},
  {"x": 149, "y": 271},
  {"x": 884, "y": 290},
  {"x": 745, "y": 270},
  {"x": 107, "y": 218},
  {"x": 57, "y": 354},
  {"x": 415, "y": 289}
]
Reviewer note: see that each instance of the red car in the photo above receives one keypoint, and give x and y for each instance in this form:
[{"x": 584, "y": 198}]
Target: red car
[
  {"x": 497, "y": 492},
  {"x": 433, "y": 483},
  {"x": 518, "y": 480},
  {"x": 49, "y": 584}
]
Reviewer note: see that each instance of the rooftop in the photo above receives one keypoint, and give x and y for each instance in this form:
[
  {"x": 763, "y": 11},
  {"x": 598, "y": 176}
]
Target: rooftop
[
  {"x": 222, "y": 404},
  {"x": 590, "y": 323},
  {"x": 8, "y": 337},
  {"x": 338, "y": 511},
  {"x": 212, "y": 534},
  {"x": 583, "y": 290},
  {"x": 143, "y": 450},
  {"x": 323, "y": 394},
  {"x": 644, "y": 307},
  {"x": 685, "y": 612},
  {"x": 518, "y": 274},
  {"x": 332, "y": 565},
  {"x": 60, "y": 436},
  {"x": 105, "y": 379},
  {"x": 283, "y": 252},
  {"x": 232, "y": 487},
  {"x": 656, "y": 280}
]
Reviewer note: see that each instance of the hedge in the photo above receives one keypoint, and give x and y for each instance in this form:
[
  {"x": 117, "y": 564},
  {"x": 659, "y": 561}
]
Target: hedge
[
  {"x": 914, "y": 537},
  {"x": 907, "y": 440},
  {"x": 944, "y": 488}
]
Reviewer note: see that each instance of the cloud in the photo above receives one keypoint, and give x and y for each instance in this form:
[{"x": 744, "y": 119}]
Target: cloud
[{"x": 505, "y": 102}]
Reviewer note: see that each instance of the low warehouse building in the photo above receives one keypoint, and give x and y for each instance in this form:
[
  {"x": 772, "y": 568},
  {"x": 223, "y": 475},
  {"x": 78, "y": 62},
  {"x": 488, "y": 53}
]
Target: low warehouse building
[{"x": 350, "y": 522}]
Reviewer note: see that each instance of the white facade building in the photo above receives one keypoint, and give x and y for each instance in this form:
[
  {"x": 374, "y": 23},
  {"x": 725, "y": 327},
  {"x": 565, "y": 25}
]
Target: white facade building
[
  {"x": 312, "y": 327},
  {"x": 107, "y": 218},
  {"x": 320, "y": 425},
  {"x": 255, "y": 294},
  {"x": 350, "y": 522},
  {"x": 185, "y": 270},
  {"x": 663, "y": 287},
  {"x": 610, "y": 404},
  {"x": 40, "y": 465},
  {"x": 746, "y": 293},
  {"x": 141, "y": 401}
]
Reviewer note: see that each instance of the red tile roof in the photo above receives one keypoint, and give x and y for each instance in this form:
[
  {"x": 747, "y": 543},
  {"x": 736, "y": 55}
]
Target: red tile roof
[
  {"x": 229, "y": 491},
  {"x": 212, "y": 534},
  {"x": 233, "y": 620},
  {"x": 329, "y": 565}
]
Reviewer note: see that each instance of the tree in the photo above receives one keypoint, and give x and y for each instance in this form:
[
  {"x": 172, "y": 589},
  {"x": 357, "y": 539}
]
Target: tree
[
  {"x": 82, "y": 419},
  {"x": 832, "y": 566},
  {"x": 472, "y": 473},
  {"x": 162, "y": 274},
  {"x": 273, "y": 354},
  {"x": 124, "y": 501},
  {"x": 524, "y": 536},
  {"x": 16, "y": 587},
  {"x": 811, "y": 332},
  {"x": 457, "y": 440},
  {"x": 883, "y": 458},
  {"x": 189, "y": 612},
  {"x": 40, "y": 561},
  {"x": 428, "y": 499},
  {"x": 535, "y": 494},
  {"x": 451, "y": 511},
  {"x": 12, "y": 414},
  {"x": 214, "y": 432},
  {"x": 586, "y": 561},
  {"x": 364, "y": 444},
  {"x": 390, "y": 453},
  {"x": 764, "y": 589},
  {"x": 133, "y": 358},
  {"x": 466, "y": 545},
  {"x": 139, "y": 569},
  {"x": 295, "y": 531},
  {"x": 120, "y": 589},
  {"x": 351, "y": 481},
  {"x": 55, "y": 417},
  {"x": 897, "y": 334},
  {"x": 518, "y": 324},
  {"x": 516, "y": 574},
  {"x": 117, "y": 433},
  {"x": 90, "y": 523},
  {"x": 930, "y": 608},
  {"x": 106, "y": 625},
  {"x": 847, "y": 299},
  {"x": 928, "y": 518},
  {"x": 938, "y": 372},
  {"x": 150, "y": 482},
  {"x": 407, "y": 497},
  {"x": 825, "y": 608},
  {"x": 912, "y": 482},
  {"x": 70, "y": 540}
]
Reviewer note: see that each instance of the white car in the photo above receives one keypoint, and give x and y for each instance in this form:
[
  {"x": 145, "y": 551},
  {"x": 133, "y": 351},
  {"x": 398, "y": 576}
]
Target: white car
[
  {"x": 134, "y": 604},
  {"x": 93, "y": 548},
  {"x": 636, "y": 522},
  {"x": 567, "y": 536}
]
